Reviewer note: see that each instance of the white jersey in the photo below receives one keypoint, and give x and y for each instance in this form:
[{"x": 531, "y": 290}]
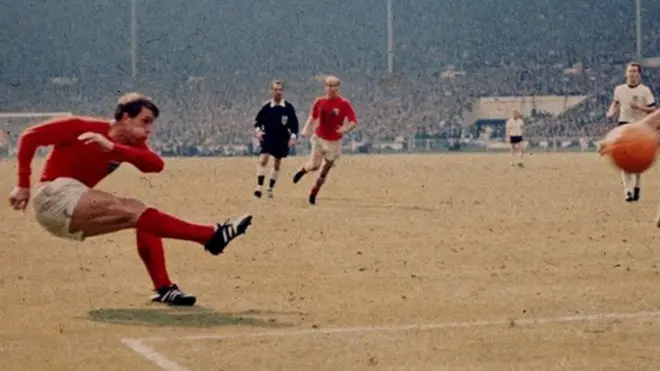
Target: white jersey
[
  {"x": 625, "y": 95},
  {"x": 514, "y": 127}
]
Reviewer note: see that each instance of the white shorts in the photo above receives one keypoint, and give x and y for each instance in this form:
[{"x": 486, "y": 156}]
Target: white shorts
[
  {"x": 331, "y": 149},
  {"x": 54, "y": 203}
]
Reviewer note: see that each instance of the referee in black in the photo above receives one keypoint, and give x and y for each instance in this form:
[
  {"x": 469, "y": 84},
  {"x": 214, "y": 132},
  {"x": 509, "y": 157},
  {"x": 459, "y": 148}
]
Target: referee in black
[{"x": 276, "y": 126}]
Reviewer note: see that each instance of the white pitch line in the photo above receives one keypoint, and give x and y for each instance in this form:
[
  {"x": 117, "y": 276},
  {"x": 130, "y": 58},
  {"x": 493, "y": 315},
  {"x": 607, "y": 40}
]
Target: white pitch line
[
  {"x": 161, "y": 361},
  {"x": 422, "y": 327},
  {"x": 149, "y": 353}
]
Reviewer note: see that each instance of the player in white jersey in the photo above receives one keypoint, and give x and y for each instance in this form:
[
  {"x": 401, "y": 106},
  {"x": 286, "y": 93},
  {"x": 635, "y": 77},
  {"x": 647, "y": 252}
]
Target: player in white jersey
[
  {"x": 652, "y": 120},
  {"x": 514, "y": 135},
  {"x": 632, "y": 101}
]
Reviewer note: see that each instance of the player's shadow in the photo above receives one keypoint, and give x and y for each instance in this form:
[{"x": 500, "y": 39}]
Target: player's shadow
[{"x": 187, "y": 317}]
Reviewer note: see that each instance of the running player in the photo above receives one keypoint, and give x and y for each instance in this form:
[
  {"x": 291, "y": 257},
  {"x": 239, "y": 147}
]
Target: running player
[
  {"x": 328, "y": 115},
  {"x": 85, "y": 150},
  {"x": 276, "y": 126},
  {"x": 653, "y": 120},
  {"x": 514, "y": 135},
  {"x": 632, "y": 102}
]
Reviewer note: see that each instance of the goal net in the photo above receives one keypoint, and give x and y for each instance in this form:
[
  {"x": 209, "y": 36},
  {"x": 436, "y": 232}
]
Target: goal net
[{"x": 13, "y": 123}]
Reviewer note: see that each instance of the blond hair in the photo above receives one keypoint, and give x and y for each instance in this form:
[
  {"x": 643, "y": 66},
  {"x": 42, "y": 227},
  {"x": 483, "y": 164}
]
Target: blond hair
[{"x": 331, "y": 79}]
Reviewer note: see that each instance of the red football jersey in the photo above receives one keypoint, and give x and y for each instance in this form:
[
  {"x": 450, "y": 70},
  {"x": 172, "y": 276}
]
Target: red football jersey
[
  {"x": 331, "y": 113},
  {"x": 71, "y": 158}
]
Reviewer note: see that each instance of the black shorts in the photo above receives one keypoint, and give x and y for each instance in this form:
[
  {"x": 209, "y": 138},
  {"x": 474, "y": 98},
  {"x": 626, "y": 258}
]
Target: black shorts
[
  {"x": 275, "y": 148},
  {"x": 515, "y": 139}
]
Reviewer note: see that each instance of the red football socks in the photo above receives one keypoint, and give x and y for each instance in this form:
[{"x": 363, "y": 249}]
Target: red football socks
[
  {"x": 167, "y": 226},
  {"x": 151, "y": 252}
]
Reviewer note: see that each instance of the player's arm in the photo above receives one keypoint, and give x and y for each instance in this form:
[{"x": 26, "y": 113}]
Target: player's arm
[
  {"x": 48, "y": 133},
  {"x": 613, "y": 111},
  {"x": 140, "y": 156},
  {"x": 646, "y": 109},
  {"x": 615, "y": 106},
  {"x": 293, "y": 122},
  {"x": 650, "y": 105},
  {"x": 259, "y": 129},
  {"x": 352, "y": 120},
  {"x": 653, "y": 119},
  {"x": 312, "y": 120}
]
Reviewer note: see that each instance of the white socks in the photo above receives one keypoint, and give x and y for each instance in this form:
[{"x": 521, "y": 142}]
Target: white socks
[
  {"x": 630, "y": 181},
  {"x": 626, "y": 179},
  {"x": 261, "y": 177}
]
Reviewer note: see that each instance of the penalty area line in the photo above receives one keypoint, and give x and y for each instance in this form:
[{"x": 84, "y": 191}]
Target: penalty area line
[
  {"x": 420, "y": 327},
  {"x": 139, "y": 345},
  {"x": 152, "y": 355}
]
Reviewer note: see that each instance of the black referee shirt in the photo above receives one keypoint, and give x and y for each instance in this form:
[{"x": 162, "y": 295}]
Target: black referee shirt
[{"x": 278, "y": 121}]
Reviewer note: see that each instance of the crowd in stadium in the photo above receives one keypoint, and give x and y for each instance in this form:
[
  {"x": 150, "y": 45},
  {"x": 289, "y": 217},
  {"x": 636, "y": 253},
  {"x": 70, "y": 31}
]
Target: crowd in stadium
[{"x": 210, "y": 93}]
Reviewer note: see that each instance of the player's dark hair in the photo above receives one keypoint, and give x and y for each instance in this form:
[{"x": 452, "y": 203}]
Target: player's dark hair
[
  {"x": 638, "y": 65},
  {"x": 133, "y": 107}
]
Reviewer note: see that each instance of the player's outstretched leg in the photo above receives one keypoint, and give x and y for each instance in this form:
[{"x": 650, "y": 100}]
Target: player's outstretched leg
[
  {"x": 299, "y": 174},
  {"x": 327, "y": 165},
  {"x": 151, "y": 252},
  {"x": 66, "y": 208},
  {"x": 313, "y": 163},
  {"x": 261, "y": 174},
  {"x": 97, "y": 213}
]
